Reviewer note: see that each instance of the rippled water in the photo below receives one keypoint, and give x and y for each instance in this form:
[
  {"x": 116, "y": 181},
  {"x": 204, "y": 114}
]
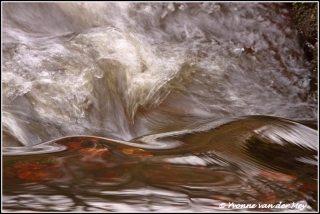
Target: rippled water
[{"x": 142, "y": 107}]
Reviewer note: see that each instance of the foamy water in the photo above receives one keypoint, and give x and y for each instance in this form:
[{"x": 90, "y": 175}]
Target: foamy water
[{"x": 180, "y": 81}]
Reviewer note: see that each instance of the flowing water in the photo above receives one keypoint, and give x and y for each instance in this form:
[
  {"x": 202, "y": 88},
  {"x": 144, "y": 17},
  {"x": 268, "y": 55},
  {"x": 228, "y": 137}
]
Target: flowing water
[{"x": 137, "y": 107}]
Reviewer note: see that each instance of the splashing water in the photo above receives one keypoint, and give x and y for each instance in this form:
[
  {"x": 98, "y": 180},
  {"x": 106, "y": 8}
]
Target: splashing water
[{"x": 141, "y": 107}]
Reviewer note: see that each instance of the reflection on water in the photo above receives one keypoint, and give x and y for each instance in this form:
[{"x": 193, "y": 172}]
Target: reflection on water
[
  {"x": 124, "y": 106},
  {"x": 239, "y": 161}
]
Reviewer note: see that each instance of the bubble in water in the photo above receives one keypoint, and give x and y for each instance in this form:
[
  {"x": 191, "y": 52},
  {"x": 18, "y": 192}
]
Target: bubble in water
[{"x": 98, "y": 73}]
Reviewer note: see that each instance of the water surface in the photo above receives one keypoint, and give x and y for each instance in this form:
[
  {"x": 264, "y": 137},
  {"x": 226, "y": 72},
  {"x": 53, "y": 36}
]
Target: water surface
[{"x": 141, "y": 107}]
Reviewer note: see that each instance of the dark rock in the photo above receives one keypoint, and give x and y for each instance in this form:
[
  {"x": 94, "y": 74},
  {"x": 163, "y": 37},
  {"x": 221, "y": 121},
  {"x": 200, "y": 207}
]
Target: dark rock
[{"x": 305, "y": 16}]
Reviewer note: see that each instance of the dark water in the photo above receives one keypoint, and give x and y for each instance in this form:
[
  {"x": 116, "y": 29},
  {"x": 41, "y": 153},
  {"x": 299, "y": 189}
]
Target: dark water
[{"x": 137, "y": 107}]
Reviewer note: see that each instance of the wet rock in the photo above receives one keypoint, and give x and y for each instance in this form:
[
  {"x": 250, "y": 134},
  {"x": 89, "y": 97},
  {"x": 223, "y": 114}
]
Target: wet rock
[{"x": 305, "y": 15}]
